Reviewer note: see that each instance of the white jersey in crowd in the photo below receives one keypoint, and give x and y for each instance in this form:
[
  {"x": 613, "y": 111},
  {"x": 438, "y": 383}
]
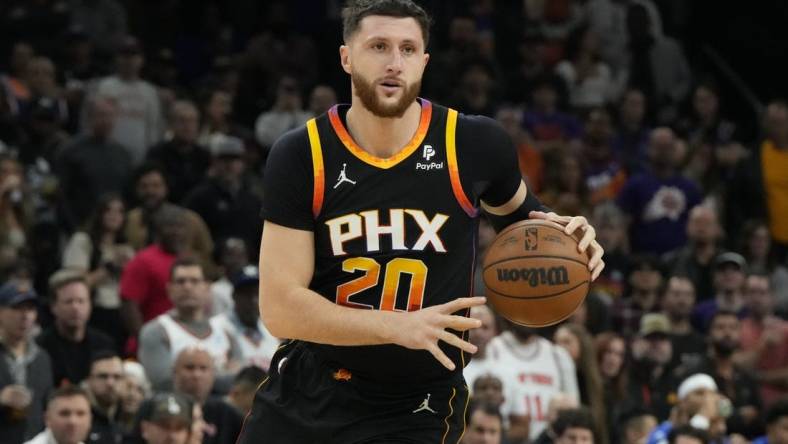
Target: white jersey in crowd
[
  {"x": 257, "y": 345},
  {"x": 217, "y": 343},
  {"x": 532, "y": 374}
]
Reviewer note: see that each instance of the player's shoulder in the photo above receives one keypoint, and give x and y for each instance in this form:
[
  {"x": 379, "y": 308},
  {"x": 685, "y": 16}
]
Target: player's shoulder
[
  {"x": 476, "y": 124},
  {"x": 291, "y": 148}
]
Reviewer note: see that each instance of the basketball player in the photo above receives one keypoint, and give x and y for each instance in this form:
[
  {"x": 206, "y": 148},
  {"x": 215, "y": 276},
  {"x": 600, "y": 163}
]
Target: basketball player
[{"x": 368, "y": 248}]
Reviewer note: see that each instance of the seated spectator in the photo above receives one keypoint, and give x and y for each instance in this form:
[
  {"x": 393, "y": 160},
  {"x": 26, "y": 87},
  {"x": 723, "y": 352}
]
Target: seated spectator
[
  {"x": 152, "y": 192},
  {"x": 603, "y": 174},
  {"x": 67, "y": 418},
  {"x": 70, "y": 342},
  {"x": 25, "y": 368},
  {"x": 233, "y": 258},
  {"x": 574, "y": 426},
  {"x": 480, "y": 337},
  {"x": 16, "y": 209},
  {"x": 776, "y": 424},
  {"x": 608, "y": 220},
  {"x": 244, "y": 388},
  {"x": 321, "y": 99},
  {"x": 488, "y": 389},
  {"x": 764, "y": 340},
  {"x": 558, "y": 404},
  {"x": 136, "y": 388},
  {"x": 636, "y": 425},
  {"x": 757, "y": 249},
  {"x": 256, "y": 344},
  {"x": 658, "y": 200},
  {"x": 631, "y": 142},
  {"x": 565, "y": 190},
  {"x": 729, "y": 273},
  {"x": 544, "y": 121},
  {"x": 645, "y": 281},
  {"x": 695, "y": 260},
  {"x": 528, "y": 157},
  {"x": 186, "y": 325},
  {"x": 588, "y": 79},
  {"x": 100, "y": 252},
  {"x": 611, "y": 356},
  {"x": 678, "y": 299},
  {"x": 104, "y": 388},
  {"x": 485, "y": 425},
  {"x": 167, "y": 418},
  {"x": 217, "y": 111},
  {"x": 183, "y": 160},
  {"x": 45, "y": 134},
  {"x": 688, "y": 435},
  {"x": 40, "y": 77},
  {"x": 286, "y": 114},
  {"x": 475, "y": 92}
]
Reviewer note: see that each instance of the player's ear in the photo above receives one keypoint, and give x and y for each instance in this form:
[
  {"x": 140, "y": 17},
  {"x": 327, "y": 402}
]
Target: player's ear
[
  {"x": 344, "y": 57},
  {"x": 426, "y": 58}
]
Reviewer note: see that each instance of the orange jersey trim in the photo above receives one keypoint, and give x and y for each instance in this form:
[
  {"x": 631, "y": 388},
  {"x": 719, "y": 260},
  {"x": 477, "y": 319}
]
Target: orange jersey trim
[
  {"x": 415, "y": 141},
  {"x": 454, "y": 171},
  {"x": 317, "y": 167}
]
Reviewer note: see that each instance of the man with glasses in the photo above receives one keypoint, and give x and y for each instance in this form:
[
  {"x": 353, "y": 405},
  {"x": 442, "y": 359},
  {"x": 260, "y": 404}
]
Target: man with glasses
[
  {"x": 103, "y": 386},
  {"x": 186, "y": 325}
]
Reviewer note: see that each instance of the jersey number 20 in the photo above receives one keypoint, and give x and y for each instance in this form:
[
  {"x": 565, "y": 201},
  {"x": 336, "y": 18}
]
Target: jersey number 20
[{"x": 391, "y": 279}]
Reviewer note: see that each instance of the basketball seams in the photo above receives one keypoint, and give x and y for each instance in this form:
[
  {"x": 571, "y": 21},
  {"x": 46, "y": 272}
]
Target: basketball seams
[
  {"x": 541, "y": 256},
  {"x": 546, "y": 296}
]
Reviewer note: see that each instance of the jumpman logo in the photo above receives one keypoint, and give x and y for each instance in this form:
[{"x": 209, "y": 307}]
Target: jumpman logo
[
  {"x": 425, "y": 405},
  {"x": 343, "y": 177}
]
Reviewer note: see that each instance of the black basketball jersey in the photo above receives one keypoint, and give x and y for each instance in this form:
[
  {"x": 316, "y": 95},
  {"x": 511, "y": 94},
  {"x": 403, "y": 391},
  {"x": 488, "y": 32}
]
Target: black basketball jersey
[{"x": 396, "y": 233}]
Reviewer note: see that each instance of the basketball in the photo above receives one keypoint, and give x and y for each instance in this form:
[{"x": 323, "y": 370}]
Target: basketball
[{"x": 534, "y": 274}]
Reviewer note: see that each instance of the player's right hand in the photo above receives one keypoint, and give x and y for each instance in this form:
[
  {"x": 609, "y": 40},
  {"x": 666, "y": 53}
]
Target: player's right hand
[{"x": 422, "y": 329}]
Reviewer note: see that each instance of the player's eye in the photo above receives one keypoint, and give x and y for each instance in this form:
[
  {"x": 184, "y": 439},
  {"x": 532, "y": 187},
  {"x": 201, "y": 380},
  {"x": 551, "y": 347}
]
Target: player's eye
[
  {"x": 408, "y": 50},
  {"x": 380, "y": 46}
]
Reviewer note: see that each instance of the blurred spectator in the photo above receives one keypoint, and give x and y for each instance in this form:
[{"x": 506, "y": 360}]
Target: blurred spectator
[
  {"x": 184, "y": 161},
  {"x": 100, "y": 252},
  {"x": 764, "y": 340},
  {"x": 321, "y": 99},
  {"x": 736, "y": 383},
  {"x": 576, "y": 340},
  {"x": 16, "y": 90},
  {"x": 67, "y": 418},
  {"x": 756, "y": 247},
  {"x": 631, "y": 142},
  {"x": 92, "y": 164},
  {"x": 143, "y": 283},
  {"x": 695, "y": 259},
  {"x": 104, "y": 387},
  {"x": 166, "y": 418},
  {"x": 69, "y": 341},
  {"x": 104, "y": 21},
  {"x": 488, "y": 389},
  {"x": 462, "y": 45},
  {"x": 729, "y": 272},
  {"x": 608, "y": 220},
  {"x": 607, "y": 18},
  {"x": 652, "y": 384},
  {"x": 475, "y": 93},
  {"x": 45, "y": 135},
  {"x": 529, "y": 158},
  {"x": 224, "y": 201},
  {"x": 233, "y": 258},
  {"x": 162, "y": 339},
  {"x": 636, "y": 426},
  {"x": 485, "y": 425},
  {"x": 588, "y": 79},
  {"x": 25, "y": 368},
  {"x": 658, "y": 201},
  {"x": 533, "y": 371},
  {"x": 558, "y": 405},
  {"x": 698, "y": 406},
  {"x": 529, "y": 66},
  {"x": 193, "y": 376},
  {"x": 776, "y": 424},
  {"x": 678, "y": 299},
  {"x": 136, "y": 388},
  {"x": 244, "y": 388},
  {"x": 688, "y": 435},
  {"x": 603, "y": 174},
  {"x": 574, "y": 426},
  {"x": 644, "y": 285},
  {"x": 40, "y": 77},
  {"x": 565, "y": 191},
  {"x": 139, "y": 123},
  {"x": 16, "y": 212},
  {"x": 287, "y": 113},
  {"x": 657, "y": 65},
  {"x": 78, "y": 67},
  {"x": 217, "y": 119},
  {"x": 151, "y": 190},
  {"x": 544, "y": 121},
  {"x": 611, "y": 357},
  {"x": 256, "y": 344},
  {"x": 480, "y": 337}
]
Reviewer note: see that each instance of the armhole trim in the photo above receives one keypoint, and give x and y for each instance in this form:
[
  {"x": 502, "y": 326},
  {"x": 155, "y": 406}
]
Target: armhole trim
[
  {"x": 454, "y": 171},
  {"x": 318, "y": 189}
]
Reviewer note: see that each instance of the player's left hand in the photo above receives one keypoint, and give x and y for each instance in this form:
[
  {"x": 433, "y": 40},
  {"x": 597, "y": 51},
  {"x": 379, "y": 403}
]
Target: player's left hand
[{"x": 587, "y": 242}]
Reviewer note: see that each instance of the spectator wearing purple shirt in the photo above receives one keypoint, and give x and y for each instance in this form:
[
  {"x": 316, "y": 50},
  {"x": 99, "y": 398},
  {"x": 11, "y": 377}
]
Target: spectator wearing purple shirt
[{"x": 544, "y": 121}]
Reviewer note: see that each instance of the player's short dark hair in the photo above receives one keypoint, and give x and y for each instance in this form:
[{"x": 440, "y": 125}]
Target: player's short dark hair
[
  {"x": 185, "y": 262},
  {"x": 355, "y": 11},
  {"x": 579, "y": 418},
  {"x": 250, "y": 376},
  {"x": 68, "y": 391},
  {"x": 484, "y": 407},
  {"x": 688, "y": 430},
  {"x": 778, "y": 410}
]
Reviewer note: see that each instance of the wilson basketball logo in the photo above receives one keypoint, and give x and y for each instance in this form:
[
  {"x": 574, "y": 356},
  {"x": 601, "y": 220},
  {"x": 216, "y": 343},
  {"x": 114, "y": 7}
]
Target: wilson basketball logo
[
  {"x": 535, "y": 276},
  {"x": 531, "y": 239}
]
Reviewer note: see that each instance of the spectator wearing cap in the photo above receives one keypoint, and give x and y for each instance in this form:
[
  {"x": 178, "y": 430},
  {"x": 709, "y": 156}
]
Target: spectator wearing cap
[
  {"x": 645, "y": 283},
  {"x": 699, "y": 405},
  {"x": 652, "y": 383},
  {"x": 730, "y": 270},
  {"x": 776, "y": 424},
  {"x": 233, "y": 257},
  {"x": 225, "y": 201},
  {"x": 696, "y": 259},
  {"x": 186, "y": 325},
  {"x": 152, "y": 192},
  {"x": 184, "y": 161},
  {"x": 166, "y": 419},
  {"x": 91, "y": 164},
  {"x": 70, "y": 341},
  {"x": 286, "y": 114},
  {"x": 25, "y": 368},
  {"x": 68, "y": 418},
  {"x": 764, "y": 340},
  {"x": 678, "y": 299},
  {"x": 139, "y": 124},
  {"x": 104, "y": 386},
  {"x": 733, "y": 381},
  {"x": 243, "y": 322}
]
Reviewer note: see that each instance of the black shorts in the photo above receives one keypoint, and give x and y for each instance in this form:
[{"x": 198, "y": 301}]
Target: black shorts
[{"x": 308, "y": 401}]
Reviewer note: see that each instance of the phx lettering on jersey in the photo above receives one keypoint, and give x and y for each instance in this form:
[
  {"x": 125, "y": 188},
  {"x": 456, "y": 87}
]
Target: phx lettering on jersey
[
  {"x": 535, "y": 276},
  {"x": 367, "y": 224}
]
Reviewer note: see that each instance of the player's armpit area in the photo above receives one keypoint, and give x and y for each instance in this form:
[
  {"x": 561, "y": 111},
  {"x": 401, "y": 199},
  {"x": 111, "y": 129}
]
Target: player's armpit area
[{"x": 515, "y": 209}]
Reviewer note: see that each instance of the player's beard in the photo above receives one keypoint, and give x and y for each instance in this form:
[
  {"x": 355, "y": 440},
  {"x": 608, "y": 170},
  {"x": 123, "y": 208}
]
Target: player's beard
[{"x": 367, "y": 93}]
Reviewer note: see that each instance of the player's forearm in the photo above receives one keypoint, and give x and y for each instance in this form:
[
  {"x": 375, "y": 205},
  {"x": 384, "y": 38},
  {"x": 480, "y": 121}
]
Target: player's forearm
[{"x": 300, "y": 313}]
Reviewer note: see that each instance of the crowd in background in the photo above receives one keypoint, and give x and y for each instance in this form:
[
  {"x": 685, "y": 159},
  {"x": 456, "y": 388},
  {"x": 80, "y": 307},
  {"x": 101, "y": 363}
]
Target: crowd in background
[{"x": 133, "y": 139}]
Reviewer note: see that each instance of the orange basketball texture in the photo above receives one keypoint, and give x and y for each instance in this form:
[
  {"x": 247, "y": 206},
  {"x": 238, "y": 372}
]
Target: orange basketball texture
[{"x": 534, "y": 274}]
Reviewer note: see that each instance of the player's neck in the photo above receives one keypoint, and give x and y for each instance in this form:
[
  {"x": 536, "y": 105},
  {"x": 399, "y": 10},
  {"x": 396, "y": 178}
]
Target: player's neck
[{"x": 382, "y": 137}]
